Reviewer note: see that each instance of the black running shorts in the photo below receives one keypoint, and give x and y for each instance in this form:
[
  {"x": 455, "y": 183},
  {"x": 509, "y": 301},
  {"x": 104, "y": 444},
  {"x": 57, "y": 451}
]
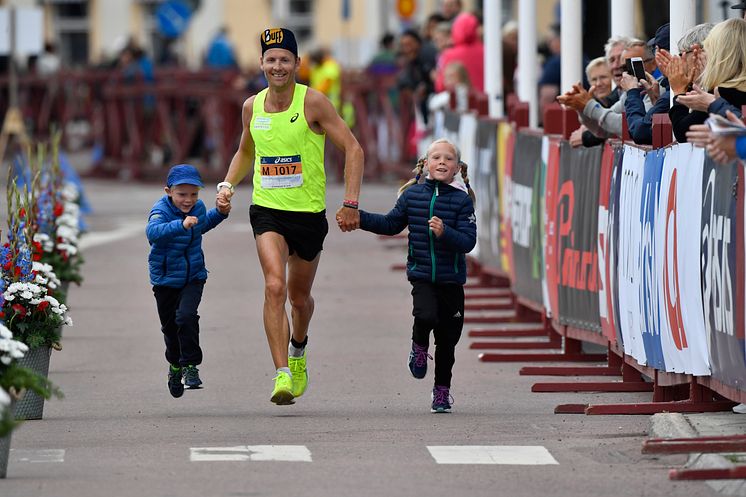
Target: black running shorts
[{"x": 304, "y": 232}]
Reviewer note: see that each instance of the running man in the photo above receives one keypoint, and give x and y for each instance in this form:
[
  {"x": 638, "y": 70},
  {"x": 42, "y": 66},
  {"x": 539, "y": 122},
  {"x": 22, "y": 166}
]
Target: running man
[{"x": 284, "y": 128}]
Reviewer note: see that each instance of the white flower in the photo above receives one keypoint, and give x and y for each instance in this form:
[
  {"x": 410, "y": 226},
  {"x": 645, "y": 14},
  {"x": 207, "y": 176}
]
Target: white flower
[{"x": 4, "y": 398}]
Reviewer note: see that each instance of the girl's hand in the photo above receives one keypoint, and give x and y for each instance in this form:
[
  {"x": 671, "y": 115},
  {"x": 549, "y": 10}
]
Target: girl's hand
[
  {"x": 189, "y": 221},
  {"x": 436, "y": 226}
]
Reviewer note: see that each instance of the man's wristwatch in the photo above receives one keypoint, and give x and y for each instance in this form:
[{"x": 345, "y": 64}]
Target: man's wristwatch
[{"x": 225, "y": 184}]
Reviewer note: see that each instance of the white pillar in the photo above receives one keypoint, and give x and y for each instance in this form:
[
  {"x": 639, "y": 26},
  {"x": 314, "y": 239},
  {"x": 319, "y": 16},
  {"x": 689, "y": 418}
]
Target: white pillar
[
  {"x": 623, "y": 17},
  {"x": 527, "y": 60},
  {"x": 571, "y": 36},
  {"x": 683, "y": 17},
  {"x": 493, "y": 57}
]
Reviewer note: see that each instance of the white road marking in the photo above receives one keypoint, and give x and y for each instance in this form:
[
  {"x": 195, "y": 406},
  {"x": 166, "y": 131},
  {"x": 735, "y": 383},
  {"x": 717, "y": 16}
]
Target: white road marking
[
  {"x": 243, "y": 453},
  {"x": 37, "y": 455},
  {"x": 126, "y": 230},
  {"x": 491, "y": 454}
]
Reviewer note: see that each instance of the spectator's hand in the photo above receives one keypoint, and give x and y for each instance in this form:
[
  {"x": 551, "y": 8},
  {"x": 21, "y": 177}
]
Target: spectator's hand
[
  {"x": 628, "y": 82},
  {"x": 348, "y": 219},
  {"x": 698, "y": 61},
  {"x": 679, "y": 75},
  {"x": 576, "y": 98},
  {"x": 436, "y": 226},
  {"x": 651, "y": 87},
  {"x": 722, "y": 148},
  {"x": 189, "y": 221},
  {"x": 576, "y": 137},
  {"x": 697, "y": 99},
  {"x": 222, "y": 204},
  {"x": 662, "y": 59},
  {"x": 699, "y": 135}
]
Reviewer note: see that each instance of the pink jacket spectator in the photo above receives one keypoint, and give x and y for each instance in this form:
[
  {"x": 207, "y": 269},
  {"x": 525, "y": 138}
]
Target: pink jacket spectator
[{"x": 467, "y": 49}]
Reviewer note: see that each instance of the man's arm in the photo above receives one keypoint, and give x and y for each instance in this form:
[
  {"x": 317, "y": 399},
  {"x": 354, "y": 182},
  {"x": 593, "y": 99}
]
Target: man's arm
[
  {"x": 320, "y": 110},
  {"x": 243, "y": 160}
]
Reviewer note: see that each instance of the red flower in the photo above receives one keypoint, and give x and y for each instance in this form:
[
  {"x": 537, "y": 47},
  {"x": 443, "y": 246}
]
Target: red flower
[
  {"x": 42, "y": 305},
  {"x": 58, "y": 209},
  {"x": 36, "y": 256},
  {"x": 22, "y": 212},
  {"x": 17, "y": 271},
  {"x": 2, "y": 315},
  {"x": 20, "y": 310}
]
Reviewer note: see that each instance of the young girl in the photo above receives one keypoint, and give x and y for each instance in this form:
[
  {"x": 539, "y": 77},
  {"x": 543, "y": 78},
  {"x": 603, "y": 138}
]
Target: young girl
[{"x": 442, "y": 229}]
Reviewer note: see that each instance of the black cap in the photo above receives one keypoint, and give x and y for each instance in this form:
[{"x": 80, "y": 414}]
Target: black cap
[
  {"x": 279, "y": 38},
  {"x": 661, "y": 38},
  {"x": 739, "y": 5}
]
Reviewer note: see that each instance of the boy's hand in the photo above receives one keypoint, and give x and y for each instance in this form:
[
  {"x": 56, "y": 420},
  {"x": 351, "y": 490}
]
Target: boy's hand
[
  {"x": 189, "y": 221},
  {"x": 223, "y": 205},
  {"x": 436, "y": 226}
]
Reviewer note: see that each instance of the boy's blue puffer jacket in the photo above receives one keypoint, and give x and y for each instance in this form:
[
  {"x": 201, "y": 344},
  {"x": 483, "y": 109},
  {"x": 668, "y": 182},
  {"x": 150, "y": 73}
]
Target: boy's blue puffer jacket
[
  {"x": 176, "y": 256},
  {"x": 438, "y": 260}
]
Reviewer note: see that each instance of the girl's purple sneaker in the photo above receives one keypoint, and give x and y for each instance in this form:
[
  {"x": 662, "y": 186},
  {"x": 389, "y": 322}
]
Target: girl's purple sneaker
[
  {"x": 418, "y": 361},
  {"x": 442, "y": 399}
]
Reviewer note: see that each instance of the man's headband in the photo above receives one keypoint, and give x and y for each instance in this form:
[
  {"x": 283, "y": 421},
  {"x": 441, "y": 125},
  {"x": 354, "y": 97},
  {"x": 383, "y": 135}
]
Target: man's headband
[{"x": 279, "y": 38}]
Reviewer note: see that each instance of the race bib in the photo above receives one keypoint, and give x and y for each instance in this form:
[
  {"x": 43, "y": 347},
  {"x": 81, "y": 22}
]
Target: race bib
[{"x": 281, "y": 172}]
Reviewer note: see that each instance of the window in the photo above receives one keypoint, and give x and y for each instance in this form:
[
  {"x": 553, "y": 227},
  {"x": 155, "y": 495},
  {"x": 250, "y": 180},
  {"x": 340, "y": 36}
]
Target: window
[
  {"x": 70, "y": 21},
  {"x": 296, "y": 15}
]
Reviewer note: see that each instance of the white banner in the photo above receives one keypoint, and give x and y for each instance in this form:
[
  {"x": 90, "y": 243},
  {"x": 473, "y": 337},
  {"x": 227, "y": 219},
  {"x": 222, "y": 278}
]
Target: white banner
[{"x": 630, "y": 241}]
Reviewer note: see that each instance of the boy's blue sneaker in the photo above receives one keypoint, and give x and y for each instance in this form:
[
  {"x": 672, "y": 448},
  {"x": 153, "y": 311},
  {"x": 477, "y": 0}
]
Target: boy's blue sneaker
[
  {"x": 191, "y": 377},
  {"x": 442, "y": 399},
  {"x": 175, "y": 386},
  {"x": 418, "y": 357}
]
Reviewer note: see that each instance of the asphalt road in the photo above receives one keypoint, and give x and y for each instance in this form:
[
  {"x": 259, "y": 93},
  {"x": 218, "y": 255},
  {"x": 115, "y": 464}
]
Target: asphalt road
[{"x": 364, "y": 427}]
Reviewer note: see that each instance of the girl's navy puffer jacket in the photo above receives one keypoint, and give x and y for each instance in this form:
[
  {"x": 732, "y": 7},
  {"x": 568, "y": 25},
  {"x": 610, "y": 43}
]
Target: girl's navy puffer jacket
[
  {"x": 433, "y": 259},
  {"x": 176, "y": 256}
]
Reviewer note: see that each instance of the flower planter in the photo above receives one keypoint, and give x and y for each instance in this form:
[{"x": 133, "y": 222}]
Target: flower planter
[
  {"x": 4, "y": 454},
  {"x": 31, "y": 405}
]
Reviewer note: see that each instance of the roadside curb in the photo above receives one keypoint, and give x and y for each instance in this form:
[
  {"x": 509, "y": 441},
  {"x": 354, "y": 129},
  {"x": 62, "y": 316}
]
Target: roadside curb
[{"x": 676, "y": 425}]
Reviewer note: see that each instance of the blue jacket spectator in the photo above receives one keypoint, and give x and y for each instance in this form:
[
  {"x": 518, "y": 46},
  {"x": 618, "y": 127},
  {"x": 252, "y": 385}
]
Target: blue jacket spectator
[
  {"x": 640, "y": 122},
  {"x": 220, "y": 53}
]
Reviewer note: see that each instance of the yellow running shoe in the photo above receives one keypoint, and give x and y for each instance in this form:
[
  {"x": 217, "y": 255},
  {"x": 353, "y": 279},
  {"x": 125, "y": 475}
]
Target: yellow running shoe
[
  {"x": 300, "y": 375},
  {"x": 282, "y": 395}
]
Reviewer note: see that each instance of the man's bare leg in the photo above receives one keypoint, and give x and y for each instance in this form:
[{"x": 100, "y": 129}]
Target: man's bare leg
[{"x": 273, "y": 257}]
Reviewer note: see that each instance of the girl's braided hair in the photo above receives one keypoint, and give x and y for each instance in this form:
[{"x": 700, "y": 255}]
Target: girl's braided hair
[{"x": 463, "y": 168}]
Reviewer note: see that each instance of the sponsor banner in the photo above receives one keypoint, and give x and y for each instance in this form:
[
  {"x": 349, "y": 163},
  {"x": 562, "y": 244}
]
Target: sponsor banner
[
  {"x": 606, "y": 257},
  {"x": 526, "y": 192},
  {"x": 577, "y": 232},
  {"x": 718, "y": 268},
  {"x": 613, "y": 230},
  {"x": 483, "y": 178},
  {"x": 683, "y": 335},
  {"x": 551, "y": 258},
  {"x": 630, "y": 241},
  {"x": 506, "y": 140},
  {"x": 650, "y": 259}
]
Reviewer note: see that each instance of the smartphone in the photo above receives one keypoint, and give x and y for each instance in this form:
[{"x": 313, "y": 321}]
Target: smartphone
[{"x": 635, "y": 67}]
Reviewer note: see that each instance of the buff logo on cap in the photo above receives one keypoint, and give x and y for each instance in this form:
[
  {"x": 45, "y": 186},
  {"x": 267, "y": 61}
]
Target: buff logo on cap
[{"x": 279, "y": 38}]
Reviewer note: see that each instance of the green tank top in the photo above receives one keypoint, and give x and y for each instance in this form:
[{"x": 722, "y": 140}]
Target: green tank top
[{"x": 289, "y": 157}]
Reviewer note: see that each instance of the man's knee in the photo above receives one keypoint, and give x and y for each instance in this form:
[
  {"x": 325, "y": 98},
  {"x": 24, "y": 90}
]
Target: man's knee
[
  {"x": 275, "y": 289},
  {"x": 300, "y": 300}
]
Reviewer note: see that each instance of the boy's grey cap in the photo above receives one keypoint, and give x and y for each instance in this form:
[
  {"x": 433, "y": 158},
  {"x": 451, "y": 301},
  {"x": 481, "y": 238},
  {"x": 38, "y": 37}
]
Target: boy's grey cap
[{"x": 184, "y": 174}]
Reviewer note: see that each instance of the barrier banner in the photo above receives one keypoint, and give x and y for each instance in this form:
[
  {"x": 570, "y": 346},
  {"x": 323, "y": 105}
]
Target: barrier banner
[
  {"x": 606, "y": 256},
  {"x": 630, "y": 240},
  {"x": 551, "y": 258},
  {"x": 505, "y": 145},
  {"x": 483, "y": 178},
  {"x": 526, "y": 186},
  {"x": 506, "y": 173},
  {"x": 718, "y": 256},
  {"x": 577, "y": 232},
  {"x": 451, "y": 124},
  {"x": 651, "y": 259},
  {"x": 683, "y": 335},
  {"x": 614, "y": 208}
]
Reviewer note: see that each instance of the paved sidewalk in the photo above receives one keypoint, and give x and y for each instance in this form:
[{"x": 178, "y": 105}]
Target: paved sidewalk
[{"x": 674, "y": 425}]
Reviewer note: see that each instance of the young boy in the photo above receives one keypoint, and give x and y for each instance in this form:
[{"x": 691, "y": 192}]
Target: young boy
[{"x": 177, "y": 269}]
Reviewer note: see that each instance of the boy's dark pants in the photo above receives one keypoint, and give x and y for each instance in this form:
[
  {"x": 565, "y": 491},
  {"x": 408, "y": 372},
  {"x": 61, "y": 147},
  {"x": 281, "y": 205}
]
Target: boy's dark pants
[
  {"x": 438, "y": 307},
  {"x": 177, "y": 309}
]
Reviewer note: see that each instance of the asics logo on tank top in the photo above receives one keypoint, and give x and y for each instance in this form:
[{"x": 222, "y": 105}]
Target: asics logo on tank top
[{"x": 294, "y": 118}]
